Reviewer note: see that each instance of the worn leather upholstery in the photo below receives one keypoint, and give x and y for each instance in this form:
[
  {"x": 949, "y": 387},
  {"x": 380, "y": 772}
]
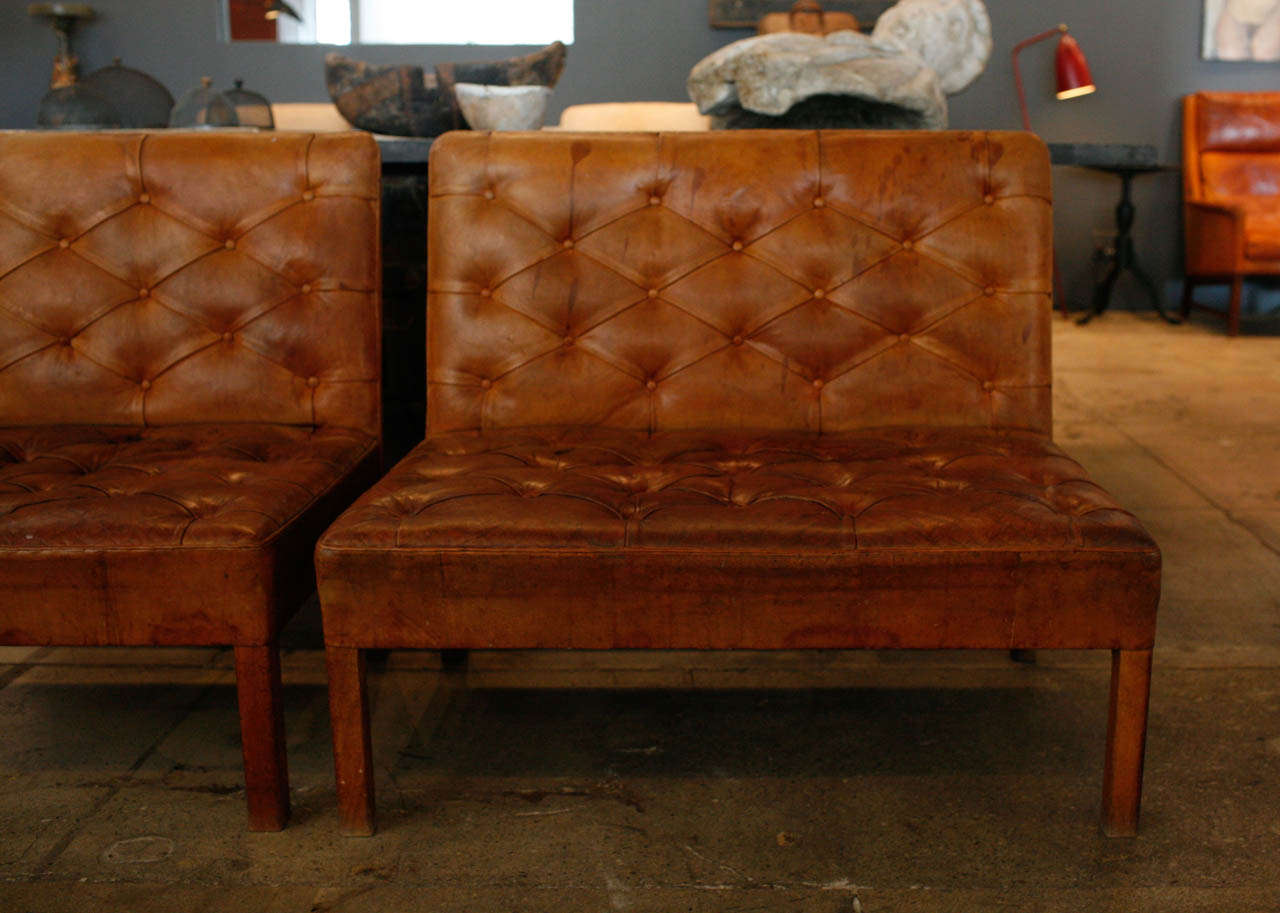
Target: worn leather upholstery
[
  {"x": 189, "y": 372},
  {"x": 783, "y": 283},
  {"x": 188, "y": 377},
  {"x": 738, "y": 390},
  {"x": 1231, "y": 186}
]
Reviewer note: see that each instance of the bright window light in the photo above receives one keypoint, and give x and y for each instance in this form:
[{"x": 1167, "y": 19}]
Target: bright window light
[
  {"x": 333, "y": 21},
  {"x": 475, "y": 22}
]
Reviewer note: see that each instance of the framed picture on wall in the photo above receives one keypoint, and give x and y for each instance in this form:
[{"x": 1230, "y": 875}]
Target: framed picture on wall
[{"x": 1241, "y": 30}]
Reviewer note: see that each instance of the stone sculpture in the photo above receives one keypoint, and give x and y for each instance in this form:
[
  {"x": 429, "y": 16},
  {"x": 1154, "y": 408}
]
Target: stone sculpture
[
  {"x": 952, "y": 36},
  {"x": 773, "y": 74},
  {"x": 897, "y": 77}
]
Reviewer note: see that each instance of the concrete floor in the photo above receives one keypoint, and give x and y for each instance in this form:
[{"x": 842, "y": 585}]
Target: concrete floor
[{"x": 822, "y": 782}]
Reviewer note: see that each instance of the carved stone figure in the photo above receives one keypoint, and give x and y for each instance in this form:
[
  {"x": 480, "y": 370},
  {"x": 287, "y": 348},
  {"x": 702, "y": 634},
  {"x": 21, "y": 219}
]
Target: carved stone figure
[
  {"x": 772, "y": 74},
  {"x": 951, "y": 36},
  {"x": 897, "y": 77}
]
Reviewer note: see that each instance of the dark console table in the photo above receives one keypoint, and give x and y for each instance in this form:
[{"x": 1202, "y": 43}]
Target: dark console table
[
  {"x": 404, "y": 292},
  {"x": 1126, "y": 162}
]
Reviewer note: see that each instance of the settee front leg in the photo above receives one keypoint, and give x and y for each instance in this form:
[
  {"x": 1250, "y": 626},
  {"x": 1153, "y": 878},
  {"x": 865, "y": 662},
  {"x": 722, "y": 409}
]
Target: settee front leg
[
  {"x": 352, "y": 747},
  {"x": 1126, "y": 741},
  {"x": 266, "y": 769}
]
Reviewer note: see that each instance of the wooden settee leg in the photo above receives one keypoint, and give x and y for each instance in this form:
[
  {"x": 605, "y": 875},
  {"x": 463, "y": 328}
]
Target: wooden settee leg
[
  {"x": 1126, "y": 741},
  {"x": 352, "y": 749},
  {"x": 1188, "y": 297},
  {"x": 1233, "y": 307},
  {"x": 266, "y": 769}
]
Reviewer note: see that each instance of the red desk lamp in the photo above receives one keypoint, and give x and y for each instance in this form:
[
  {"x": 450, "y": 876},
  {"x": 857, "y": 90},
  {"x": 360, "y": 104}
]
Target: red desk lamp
[{"x": 1072, "y": 69}]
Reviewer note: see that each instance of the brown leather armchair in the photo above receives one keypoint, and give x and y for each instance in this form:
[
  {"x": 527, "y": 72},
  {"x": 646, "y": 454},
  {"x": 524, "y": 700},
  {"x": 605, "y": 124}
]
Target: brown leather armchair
[
  {"x": 188, "y": 393},
  {"x": 739, "y": 390},
  {"x": 1231, "y": 191}
]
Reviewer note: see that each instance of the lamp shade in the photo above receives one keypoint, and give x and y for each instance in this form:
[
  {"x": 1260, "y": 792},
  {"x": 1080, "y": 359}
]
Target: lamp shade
[{"x": 1074, "y": 78}]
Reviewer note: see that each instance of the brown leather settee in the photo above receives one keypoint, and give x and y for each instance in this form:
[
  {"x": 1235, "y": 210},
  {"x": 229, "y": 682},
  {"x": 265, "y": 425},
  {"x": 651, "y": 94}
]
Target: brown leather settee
[
  {"x": 1231, "y": 192},
  {"x": 739, "y": 390},
  {"x": 188, "y": 393}
]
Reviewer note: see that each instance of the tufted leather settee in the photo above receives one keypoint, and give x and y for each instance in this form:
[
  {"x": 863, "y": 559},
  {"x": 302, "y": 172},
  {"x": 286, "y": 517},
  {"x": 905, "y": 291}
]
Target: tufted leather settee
[
  {"x": 1231, "y": 192},
  {"x": 739, "y": 390},
  {"x": 188, "y": 393}
]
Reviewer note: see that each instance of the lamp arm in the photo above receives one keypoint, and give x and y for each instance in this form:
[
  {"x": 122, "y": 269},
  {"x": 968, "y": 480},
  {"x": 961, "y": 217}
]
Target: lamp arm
[{"x": 1017, "y": 70}]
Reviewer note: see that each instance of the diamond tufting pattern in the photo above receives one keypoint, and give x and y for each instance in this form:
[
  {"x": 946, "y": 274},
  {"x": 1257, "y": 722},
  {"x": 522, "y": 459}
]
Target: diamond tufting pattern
[
  {"x": 117, "y": 487},
  {"x": 156, "y": 279},
  {"x": 188, "y": 377},
  {"x": 737, "y": 390},
  {"x": 790, "y": 280},
  {"x": 606, "y": 489}
]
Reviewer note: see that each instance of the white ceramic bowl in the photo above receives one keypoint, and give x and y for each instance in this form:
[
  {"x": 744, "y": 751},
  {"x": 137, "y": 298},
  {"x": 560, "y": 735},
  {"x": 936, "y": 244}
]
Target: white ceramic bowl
[{"x": 502, "y": 107}]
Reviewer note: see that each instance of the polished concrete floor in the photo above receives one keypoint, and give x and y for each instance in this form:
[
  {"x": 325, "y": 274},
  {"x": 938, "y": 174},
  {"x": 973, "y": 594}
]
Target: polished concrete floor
[{"x": 824, "y": 782}]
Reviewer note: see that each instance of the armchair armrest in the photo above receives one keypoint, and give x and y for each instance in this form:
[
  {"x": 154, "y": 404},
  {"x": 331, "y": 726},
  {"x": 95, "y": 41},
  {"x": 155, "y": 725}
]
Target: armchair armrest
[{"x": 1214, "y": 236}]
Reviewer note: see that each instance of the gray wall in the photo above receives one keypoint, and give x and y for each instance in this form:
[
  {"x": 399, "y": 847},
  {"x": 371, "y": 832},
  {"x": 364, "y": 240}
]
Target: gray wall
[{"x": 1144, "y": 55}]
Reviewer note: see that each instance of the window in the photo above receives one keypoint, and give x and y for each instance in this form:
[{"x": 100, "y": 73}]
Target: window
[
  {"x": 403, "y": 21},
  {"x": 474, "y": 22}
]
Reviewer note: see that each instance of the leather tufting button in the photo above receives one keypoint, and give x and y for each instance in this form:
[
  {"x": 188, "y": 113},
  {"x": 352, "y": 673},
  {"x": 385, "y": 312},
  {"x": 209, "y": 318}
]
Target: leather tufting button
[
  {"x": 145, "y": 384},
  {"x": 226, "y": 337},
  {"x": 908, "y": 244},
  {"x": 489, "y": 194},
  {"x": 485, "y": 293},
  {"x": 737, "y": 340},
  {"x": 144, "y": 199},
  {"x": 306, "y": 288},
  {"x": 817, "y": 383},
  {"x": 737, "y": 245},
  {"x": 144, "y": 292},
  {"x": 308, "y": 195},
  {"x": 988, "y": 386},
  {"x": 651, "y": 384},
  {"x": 229, "y": 244},
  {"x": 819, "y": 293},
  {"x": 568, "y": 243},
  {"x": 655, "y": 200},
  {"x": 904, "y": 337},
  {"x": 64, "y": 243},
  {"x": 989, "y": 291},
  {"x": 988, "y": 199},
  {"x": 486, "y": 383},
  {"x": 653, "y": 293},
  {"x": 819, "y": 202},
  {"x": 568, "y": 341},
  {"x": 313, "y": 382},
  {"x": 64, "y": 341}
]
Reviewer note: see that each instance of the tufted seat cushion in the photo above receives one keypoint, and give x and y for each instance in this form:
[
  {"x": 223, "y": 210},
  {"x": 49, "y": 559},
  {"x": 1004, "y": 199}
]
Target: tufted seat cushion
[
  {"x": 572, "y": 537},
  {"x": 96, "y": 518}
]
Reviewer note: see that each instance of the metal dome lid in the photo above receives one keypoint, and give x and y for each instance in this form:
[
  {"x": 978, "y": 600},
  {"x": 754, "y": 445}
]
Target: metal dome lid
[
  {"x": 204, "y": 106},
  {"x": 75, "y": 107},
  {"x": 138, "y": 97},
  {"x": 252, "y": 108}
]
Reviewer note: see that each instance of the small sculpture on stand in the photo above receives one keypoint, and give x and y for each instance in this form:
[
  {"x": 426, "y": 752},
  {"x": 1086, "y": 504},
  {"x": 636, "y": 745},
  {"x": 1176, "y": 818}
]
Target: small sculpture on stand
[{"x": 68, "y": 104}]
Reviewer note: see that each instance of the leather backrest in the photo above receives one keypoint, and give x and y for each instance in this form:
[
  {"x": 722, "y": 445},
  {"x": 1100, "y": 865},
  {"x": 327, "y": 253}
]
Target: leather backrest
[
  {"x": 739, "y": 279},
  {"x": 1236, "y": 140},
  {"x": 182, "y": 277}
]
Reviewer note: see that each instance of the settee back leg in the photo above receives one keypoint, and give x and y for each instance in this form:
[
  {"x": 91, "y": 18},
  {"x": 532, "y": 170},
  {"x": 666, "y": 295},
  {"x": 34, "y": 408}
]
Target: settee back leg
[
  {"x": 1233, "y": 306},
  {"x": 352, "y": 747},
  {"x": 1126, "y": 741},
  {"x": 266, "y": 770}
]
